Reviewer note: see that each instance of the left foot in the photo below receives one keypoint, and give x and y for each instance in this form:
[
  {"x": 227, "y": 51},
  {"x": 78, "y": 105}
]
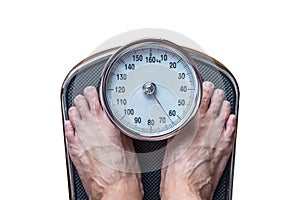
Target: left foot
[{"x": 103, "y": 157}]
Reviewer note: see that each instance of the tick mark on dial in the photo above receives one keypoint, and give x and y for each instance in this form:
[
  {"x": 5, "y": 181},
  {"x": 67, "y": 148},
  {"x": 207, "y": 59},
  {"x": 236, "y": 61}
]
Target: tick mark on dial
[
  {"x": 179, "y": 60},
  {"x": 122, "y": 117}
]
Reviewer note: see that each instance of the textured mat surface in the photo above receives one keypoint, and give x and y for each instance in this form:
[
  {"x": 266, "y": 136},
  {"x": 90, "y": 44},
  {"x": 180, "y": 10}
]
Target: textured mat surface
[{"x": 151, "y": 180}]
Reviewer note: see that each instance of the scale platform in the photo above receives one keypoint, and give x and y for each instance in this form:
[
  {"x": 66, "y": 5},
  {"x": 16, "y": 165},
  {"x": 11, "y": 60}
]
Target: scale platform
[{"x": 84, "y": 75}]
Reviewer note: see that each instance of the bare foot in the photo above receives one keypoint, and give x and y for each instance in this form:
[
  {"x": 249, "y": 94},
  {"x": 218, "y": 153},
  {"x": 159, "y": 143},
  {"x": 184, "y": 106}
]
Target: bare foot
[
  {"x": 196, "y": 172},
  {"x": 103, "y": 157}
]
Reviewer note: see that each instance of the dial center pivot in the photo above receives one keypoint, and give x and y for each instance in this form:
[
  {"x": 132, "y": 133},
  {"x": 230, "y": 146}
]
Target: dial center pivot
[{"x": 149, "y": 88}]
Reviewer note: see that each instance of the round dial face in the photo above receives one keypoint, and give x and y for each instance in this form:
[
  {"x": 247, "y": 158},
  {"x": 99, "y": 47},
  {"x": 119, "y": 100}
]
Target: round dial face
[{"x": 150, "y": 89}]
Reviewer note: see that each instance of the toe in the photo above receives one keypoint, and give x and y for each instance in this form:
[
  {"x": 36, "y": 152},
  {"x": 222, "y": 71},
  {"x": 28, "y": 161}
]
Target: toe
[
  {"x": 92, "y": 98},
  {"x": 82, "y": 106},
  {"x": 216, "y": 103},
  {"x": 74, "y": 145},
  {"x": 230, "y": 127},
  {"x": 225, "y": 111},
  {"x": 74, "y": 116},
  {"x": 226, "y": 140},
  {"x": 207, "y": 92},
  {"x": 69, "y": 131}
]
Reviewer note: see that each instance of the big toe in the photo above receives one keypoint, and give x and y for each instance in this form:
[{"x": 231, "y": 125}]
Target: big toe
[{"x": 92, "y": 98}]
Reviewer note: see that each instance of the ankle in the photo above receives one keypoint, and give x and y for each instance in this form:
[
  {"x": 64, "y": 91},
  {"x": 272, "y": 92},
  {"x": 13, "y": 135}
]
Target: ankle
[
  {"x": 128, "y": 188},
  {"x": 178, "y": 189}
]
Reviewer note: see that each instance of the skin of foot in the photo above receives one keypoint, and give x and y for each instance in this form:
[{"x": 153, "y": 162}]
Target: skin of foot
[
  {"x": 193, "y": 169},
  {"x": 103, "y": 157}
]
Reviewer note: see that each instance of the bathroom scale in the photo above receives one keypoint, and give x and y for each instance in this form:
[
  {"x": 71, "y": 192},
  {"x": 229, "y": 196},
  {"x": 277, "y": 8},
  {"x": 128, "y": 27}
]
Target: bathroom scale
[{"x": 161, "y": 68}]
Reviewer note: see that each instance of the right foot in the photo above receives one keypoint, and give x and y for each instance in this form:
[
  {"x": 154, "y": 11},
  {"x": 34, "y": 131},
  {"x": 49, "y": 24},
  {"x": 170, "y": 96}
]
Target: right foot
[
  {"x": 196, "y": 172},
  {"x": 103, "y": 156}
]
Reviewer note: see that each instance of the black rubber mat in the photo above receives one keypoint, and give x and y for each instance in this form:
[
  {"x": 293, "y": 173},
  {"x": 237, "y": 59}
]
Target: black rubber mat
[{"x": 210, "y": 70}]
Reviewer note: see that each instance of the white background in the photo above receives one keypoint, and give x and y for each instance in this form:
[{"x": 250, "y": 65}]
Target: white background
[{"x": 40, "y": 41}]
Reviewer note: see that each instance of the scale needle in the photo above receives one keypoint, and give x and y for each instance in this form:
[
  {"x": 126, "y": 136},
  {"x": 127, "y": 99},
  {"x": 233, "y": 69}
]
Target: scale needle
[{"x": 162, "y": 108}]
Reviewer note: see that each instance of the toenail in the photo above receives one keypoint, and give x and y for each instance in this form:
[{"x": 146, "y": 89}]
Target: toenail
[
  {"x": 227, "y": 102},
  {"x": 78, "y": 98},
  {"x": 71, "y": 110},
  {"x": 208, "y": 84},
  {"x": 220, "y": 92},
  {"x": 89, "y": 90}
]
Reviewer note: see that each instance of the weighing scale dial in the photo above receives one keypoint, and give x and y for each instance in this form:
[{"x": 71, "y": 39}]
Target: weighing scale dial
[{"x": 150, "y": 89}]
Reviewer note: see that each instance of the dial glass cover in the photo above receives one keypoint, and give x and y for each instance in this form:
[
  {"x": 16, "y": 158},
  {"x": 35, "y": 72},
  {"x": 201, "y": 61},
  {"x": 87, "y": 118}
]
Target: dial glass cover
[{"x": 150, "y": 89}]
